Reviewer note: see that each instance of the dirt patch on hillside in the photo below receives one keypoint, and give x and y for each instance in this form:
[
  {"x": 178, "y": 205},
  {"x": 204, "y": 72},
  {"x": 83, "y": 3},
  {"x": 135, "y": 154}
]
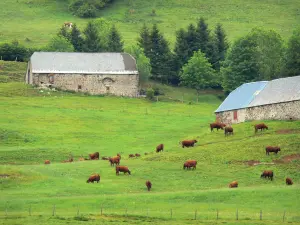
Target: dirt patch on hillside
[
  {"x": 252, "y": 162},
  {"x": 288, "y": 131},
  {"x": 287, "y": 159}
]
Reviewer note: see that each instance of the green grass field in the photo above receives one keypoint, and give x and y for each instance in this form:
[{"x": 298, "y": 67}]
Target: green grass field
[
  {"x": 37, "y": 126},
  {"x": 34, "y": 22}
]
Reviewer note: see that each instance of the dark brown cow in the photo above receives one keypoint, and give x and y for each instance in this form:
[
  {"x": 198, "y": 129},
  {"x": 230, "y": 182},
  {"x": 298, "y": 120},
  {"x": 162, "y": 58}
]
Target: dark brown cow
[
  {"x": 233, "y": 184},
  {"x": 114, "y": 160},
  {"x": 148, "y": 185},
  {"x": 47, "y": 161},
  {"x": 274, "y": 149},
  {"x": 288, "y": 181},
  {"x": 190, "y": 164},
  {"x": 267, "y": 174},
  {"x": 123, "y": 169},
  {"x": 93, "y": 178},
  {"x": 260, "y": 127},
  {"x": 131, "y": 155},
  {"x": 137, "y": 155},
  {"x": 188, "y": 143},
  {"x": 159, "y": 147},
  {"x": 94, "y": 156},
  {"x": 217, "y": 126},
  {"x": 228, "y": 131}
]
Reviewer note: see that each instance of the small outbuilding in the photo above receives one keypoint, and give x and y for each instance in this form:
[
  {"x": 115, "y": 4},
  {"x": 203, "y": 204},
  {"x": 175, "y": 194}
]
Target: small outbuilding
[
  {"x": 94, "y": 73},
  {"x": 263, "y": 100}
]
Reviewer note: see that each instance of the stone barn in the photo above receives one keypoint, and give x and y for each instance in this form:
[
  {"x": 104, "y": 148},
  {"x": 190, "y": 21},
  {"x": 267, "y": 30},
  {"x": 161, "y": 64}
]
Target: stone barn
[
  {"x": 263, "y": 100},
  {"x": 94, "y": 73}
]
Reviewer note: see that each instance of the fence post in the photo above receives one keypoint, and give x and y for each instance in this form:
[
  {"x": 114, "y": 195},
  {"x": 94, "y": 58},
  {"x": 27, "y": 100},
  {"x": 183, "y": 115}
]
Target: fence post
[
  {"x": 237, "y": 214},
  {"x": 78, "y": 210},
  {"x": 260, "y": 216},
  {"x": 217, "y": 214},
  {"x": 283, "y": 216},
  {"x": 53, "y": 210},
  {"x": 6, "y": 210},
  {"x": 30, "y": 210},
  {"x": 196, "y": 214},
  {"x": 171, "y": 213},
  {"x": 182, "y": 99},
  {"x": 157, "y": 98},
  {"x": 126, "y": 212}
]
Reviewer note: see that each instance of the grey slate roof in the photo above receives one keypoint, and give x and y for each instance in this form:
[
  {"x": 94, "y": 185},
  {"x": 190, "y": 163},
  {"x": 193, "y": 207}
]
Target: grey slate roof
[
  {"x": 87, "y": 63},
  {"x": 279, "y": 90},
  {"x": 242, "y": 96}
]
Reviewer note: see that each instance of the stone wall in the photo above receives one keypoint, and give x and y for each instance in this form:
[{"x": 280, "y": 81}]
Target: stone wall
[
  {"x": 279, "y": 111},
  {"x": 122, "y": 85}
]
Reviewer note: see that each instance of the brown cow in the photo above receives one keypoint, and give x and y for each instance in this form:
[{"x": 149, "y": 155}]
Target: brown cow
[
  {"x": 288, "y": 181},
  {"x": 94, "y": 156},
  {"x": 160, "y": 147},
  {"x": 105, "y": 158},
  {"x": 131, "y": 155},
  {"x": 93, "y": 178},
  {"x": 137, "y": 155},
  {"x": 123, "y": 169},
  {"x": 260, "y": 127},
  {"x": 148, "y": 185},
  {"x": 47, "y": 161},
  {"x": 233, "y": 184},
  {"x": 216, "y": 125},
  {"x": 272, "y": 149},
  {"x": 190, "y": 164},
  {"x": 188, "y": 143},
  {"x": 267, "y": 174},
  {"x": 114, "y": 160},
  {"x": 228, "y": 131}
]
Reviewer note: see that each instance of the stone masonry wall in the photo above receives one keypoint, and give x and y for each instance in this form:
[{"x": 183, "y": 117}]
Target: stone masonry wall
[
  {"x": 122, "y": 85},
  {"x": 227, "y": 117}
]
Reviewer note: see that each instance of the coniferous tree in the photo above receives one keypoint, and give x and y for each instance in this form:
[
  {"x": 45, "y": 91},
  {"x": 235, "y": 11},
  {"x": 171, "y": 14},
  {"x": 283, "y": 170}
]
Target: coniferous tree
[
  {"x": 293, "y": 54},
  {"x": 203, "y": 36},
  {"x": 221, "y": 45},
  {"x": 144, "y": 40},
  {"x": 191, "y": 38},
  {"x": 115, "y": 44},
  {"x": 63, "y": 32},
  {"x": 92, "y": 39},
  {"x": 76, "y": 39}
]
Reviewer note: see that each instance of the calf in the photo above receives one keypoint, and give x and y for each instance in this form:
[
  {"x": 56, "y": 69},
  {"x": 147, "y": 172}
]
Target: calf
[
  {"x": 123, "y": 169},
  {"x": 260, "y": 126},
  {"x": 190, "y": 164},
  {"x": 233, "y": 184},
  {"x": 93, "y": 178},
  {"x": 137, "y": 155},
  {"x": 188, "y": 143},
  {"x": 217, "y": 126},
  {"x": 288, "y": 181},
  {"x": 272, "y": 149},
  {"x": 131, "y": 155},
  {"x": 148, "y": 185},
  {"x": 159, "y": 147},
  {"x": 267, "y": 174},
  {"x": 228, "y": 131},
  {"x": 47, "y": 161},
  {"x": 94, "y": 156},
  {"x": 114, "y": 160}
]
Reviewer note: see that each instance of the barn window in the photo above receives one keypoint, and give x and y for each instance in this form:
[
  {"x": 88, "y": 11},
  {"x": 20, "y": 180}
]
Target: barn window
[
  {"x": 79, "y": 87},
  {"x": 51, "y": 78},
  {"x": 235, "y": 115}
]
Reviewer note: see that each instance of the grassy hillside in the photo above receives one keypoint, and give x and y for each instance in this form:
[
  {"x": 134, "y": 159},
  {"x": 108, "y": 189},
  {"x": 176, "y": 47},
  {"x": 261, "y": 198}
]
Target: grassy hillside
[
  {"x": 33, "y": 22},
  {"x": 12, "y": 71},
  {"x": 41, "y": 126}
]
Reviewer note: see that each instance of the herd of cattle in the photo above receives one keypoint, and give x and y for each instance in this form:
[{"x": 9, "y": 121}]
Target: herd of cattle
[{"x": 189, "y": 164}]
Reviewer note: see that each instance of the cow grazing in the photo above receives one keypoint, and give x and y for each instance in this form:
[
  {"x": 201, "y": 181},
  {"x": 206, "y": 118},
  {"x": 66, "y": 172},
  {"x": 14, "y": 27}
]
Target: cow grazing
[
  {"x": 93, "y": 178},
  {"x": 47, "y": 161},
  {"x": 267, "y": 174},
  {"x": 228, "y": 131},
  {"x": 131, "y": 155},
  {"x": 68, "y": 24},
  {"x": 148, "y": 185},
  {"x": 233, "y": 184},
  {"x": 105, "y": 158},
  {"x": 217, "y": 126},
  {"x": 274, "y": 149},
  {"x": 114, "y": 160},
  {"x": 188, "y": 143},
  {"x": 137, "y": 155},
  {"x": 94, "y": 156},
  {"x": 123, "y": 169},
  {"x": 190, "y": 164},
  {"x": 159, "y": 147},
  {"x": 288, "y": 181},
  {"x": 260, "y": 127}
]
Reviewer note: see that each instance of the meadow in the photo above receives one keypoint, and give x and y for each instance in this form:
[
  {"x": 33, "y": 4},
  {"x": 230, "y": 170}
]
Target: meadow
[
  {"x": 36, "y": 126},
  {"x": 34, "y": 22}
]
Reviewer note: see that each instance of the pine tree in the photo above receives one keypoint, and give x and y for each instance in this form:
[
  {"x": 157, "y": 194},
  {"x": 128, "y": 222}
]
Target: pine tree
[
  {"x": 63, "y": 32},
  {"x": 221, "y": 45},
  {"x": 293, "y": 54},
  {"x": 191, "y": 39},
  {"x": 114, "y": 41},
  {"x": 92, "y": 39},
  {"x": 144, "y": 40},
  {"x": 203, "y": 36},
  {"x": 76, "y": 38}
]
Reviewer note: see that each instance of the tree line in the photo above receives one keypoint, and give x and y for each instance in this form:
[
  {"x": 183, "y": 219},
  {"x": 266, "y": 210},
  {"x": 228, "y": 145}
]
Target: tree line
[{"x": 201, "y": 58}]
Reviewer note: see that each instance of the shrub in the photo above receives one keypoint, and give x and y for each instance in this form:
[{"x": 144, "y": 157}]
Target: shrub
[
  {"x": 87, "y": 8},
  {"x": 150, "y": 93}
]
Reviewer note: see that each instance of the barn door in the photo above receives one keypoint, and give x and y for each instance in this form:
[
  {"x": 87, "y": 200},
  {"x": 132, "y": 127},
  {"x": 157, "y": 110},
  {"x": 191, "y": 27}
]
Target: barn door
[{"x": 235, "y": 115}]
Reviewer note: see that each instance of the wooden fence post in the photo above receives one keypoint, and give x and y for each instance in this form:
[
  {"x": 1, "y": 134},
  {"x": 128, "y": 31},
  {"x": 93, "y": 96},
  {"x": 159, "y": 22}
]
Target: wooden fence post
[
  {"x": 157, "y": 98},
  {"x": 53, "y": 210},
  {"x": 78, "y": 210},
  {"x": 283, "y": 218},
  {"x": 217, "y": 214},
  {"x": 182, "y": 99},
  {"x": 237, "y": 214},
  {"x": 260, "y": 216},
  {"x": 196, "y": 214},
  {"x": 171, "y": 213}
]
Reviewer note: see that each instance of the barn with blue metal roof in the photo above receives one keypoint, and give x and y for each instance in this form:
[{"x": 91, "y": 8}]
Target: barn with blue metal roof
[{"x": 263, "y": 100}]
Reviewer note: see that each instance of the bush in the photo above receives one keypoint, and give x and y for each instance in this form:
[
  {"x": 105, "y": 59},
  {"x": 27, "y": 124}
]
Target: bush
[
  {"x": 157, "y": 91},
  {"x": 14, "y": 52},
  {"x": 87, "y": 8},
  {"x": 150, "y": 93}
]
